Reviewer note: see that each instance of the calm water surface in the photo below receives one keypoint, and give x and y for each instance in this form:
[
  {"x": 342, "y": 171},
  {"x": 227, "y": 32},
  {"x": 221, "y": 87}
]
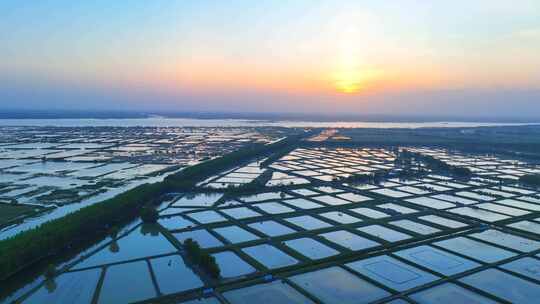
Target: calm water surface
[{"x": 189, "y": 122}]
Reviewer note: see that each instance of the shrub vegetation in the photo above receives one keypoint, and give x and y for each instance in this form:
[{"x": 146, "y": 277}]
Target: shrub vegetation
[
  {"x": 50, "y": 238},
  {"x": 202, "y": 258},
  {"x": 149, "y": 214},
  {"x": 405, "y": 158}
]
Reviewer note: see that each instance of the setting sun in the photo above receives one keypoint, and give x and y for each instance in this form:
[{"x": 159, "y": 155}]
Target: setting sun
[
  {"x": 231, "y": 152},
  {"x": 348, "y": 81},
  {"x": 352, "y": 71},
  {"x": 354, "y": 79}
]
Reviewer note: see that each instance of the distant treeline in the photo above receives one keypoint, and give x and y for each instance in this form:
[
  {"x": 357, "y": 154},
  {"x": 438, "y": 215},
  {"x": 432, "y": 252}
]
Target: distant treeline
[
  {"x": 51, "y": 238},
  {"x": 188, "y": 178},
  {"x": 521, "y": 142},
  {"x": 405, "y": 158},
  {"x": 363, "y": 178},
  {"x": 277, "y": 155},
  {"x": 256, "y": 185}
]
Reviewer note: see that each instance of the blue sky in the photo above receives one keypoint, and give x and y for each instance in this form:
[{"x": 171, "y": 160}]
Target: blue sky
[{"x": 391, "y": 57}]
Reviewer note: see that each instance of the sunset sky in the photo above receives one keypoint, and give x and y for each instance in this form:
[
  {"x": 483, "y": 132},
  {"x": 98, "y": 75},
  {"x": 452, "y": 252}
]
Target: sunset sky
[{"x": 368, "y": 57}]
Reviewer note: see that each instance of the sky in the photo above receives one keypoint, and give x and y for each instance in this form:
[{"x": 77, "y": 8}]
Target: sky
[{"x": 401, "y": 57}]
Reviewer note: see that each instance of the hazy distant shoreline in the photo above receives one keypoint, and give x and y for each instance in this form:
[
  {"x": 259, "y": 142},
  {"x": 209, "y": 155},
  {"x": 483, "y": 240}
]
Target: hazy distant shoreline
[
  {"x": 214, "y": 122},
  {"x": 263, "y": 117}
]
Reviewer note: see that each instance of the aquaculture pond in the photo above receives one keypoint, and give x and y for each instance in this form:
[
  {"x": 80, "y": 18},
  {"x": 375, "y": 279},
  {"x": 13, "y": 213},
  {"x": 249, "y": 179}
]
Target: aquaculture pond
[{"x": 425, "y": 239}]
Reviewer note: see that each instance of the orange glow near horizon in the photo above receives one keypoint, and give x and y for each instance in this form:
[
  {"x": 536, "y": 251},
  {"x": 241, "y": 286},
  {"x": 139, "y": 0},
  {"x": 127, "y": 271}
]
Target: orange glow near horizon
[
  {"x": 355, "y": 80},
  {"x": 349, "y": 53}
]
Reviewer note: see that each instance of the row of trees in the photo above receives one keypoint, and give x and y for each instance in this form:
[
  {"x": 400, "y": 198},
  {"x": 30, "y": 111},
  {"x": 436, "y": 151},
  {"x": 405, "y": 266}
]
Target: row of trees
[
  {"x": 149, "y": 214},
  {"x": 372, "y": 178},
  {"x": 202, "y": 258},
  {"x": 186, "y": 180},
  {"x": 256, "y": 185},
  {"x": 406, "y": 159},
  {"x": 51, "y": 238},
  {"x": 277, "y": 155}
]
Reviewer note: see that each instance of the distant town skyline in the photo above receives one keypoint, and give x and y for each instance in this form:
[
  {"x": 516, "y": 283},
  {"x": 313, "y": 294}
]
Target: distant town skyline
[{"x": 458, "y": 58}]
